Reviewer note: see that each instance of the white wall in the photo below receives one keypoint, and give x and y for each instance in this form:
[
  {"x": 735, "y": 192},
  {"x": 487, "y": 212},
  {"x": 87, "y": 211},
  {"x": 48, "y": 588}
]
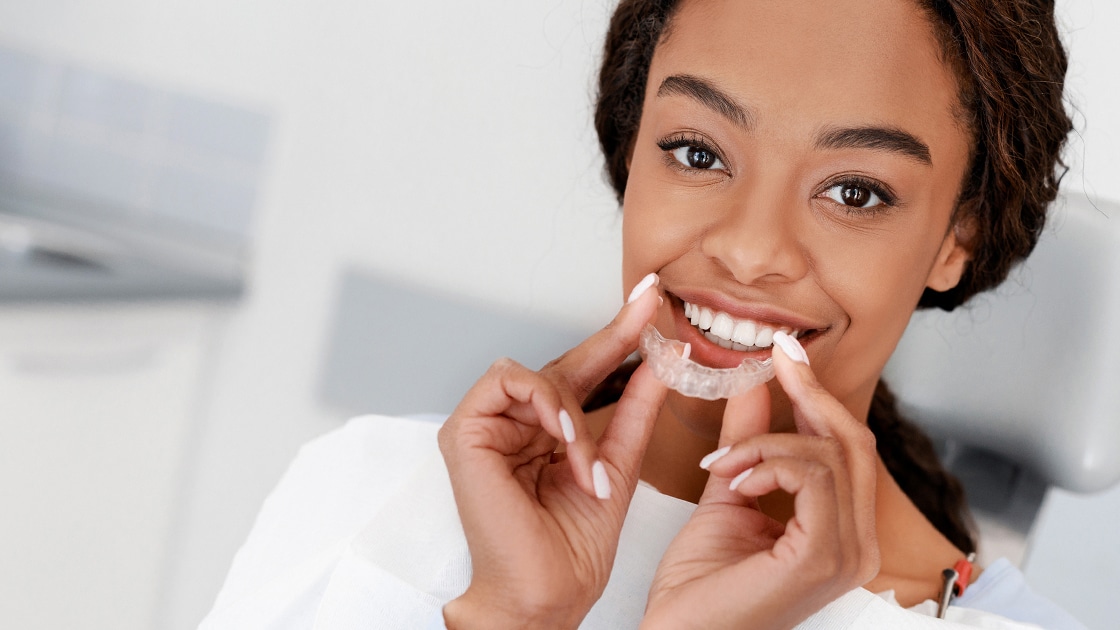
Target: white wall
[
  {"x": 448, "y": 144},
  {"x": 1093, "y": 91}
]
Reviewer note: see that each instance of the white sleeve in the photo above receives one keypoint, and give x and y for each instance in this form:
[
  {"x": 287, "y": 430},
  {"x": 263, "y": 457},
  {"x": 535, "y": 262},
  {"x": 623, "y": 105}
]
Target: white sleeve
[
  {"x": 336, "y": 484},
  {"x": 437, "y": 621}
]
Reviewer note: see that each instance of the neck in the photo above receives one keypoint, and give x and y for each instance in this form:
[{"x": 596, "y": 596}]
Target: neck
[
  {"x": 912, "y": 550},
  {"x": 672, "y": 461}
]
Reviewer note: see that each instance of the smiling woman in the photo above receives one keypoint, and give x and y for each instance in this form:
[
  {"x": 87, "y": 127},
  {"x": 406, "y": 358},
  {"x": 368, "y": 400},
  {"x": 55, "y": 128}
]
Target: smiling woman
[{"x": 795, "y": 178}]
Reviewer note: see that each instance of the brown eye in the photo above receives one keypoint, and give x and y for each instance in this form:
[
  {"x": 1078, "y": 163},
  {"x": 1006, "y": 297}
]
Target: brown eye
[
  {"x": 699, "y": 158},
  {"x": 854, "y": 195},
  {"x": 696, "y": 157}
]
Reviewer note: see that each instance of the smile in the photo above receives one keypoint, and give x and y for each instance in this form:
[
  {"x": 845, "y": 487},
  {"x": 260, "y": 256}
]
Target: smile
[{"x": 742, "y": 335}]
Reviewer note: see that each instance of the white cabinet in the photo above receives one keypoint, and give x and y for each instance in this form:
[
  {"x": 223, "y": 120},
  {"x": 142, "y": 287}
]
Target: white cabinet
[{"x": 96, "y": 414}]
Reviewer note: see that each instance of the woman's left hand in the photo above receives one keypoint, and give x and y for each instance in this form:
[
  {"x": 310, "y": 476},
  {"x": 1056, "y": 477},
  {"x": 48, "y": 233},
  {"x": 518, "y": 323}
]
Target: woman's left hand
[
  {"x": 543, "y": 528},
  {"x": 732, "y": 566}
]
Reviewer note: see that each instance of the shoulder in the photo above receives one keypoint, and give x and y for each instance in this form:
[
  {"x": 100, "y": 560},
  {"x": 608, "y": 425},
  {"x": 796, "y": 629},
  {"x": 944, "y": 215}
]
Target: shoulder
[
  {"x": 1003, "y": 590},
  {"x": 334, "y": 486}
]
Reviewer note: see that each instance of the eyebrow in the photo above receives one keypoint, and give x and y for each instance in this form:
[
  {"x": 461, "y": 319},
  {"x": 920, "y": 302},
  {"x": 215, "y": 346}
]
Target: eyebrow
[
  {"x": 877, "y": 139},
  {"x": 708, "y": 95},
  {"x": 889, "y": 139}
]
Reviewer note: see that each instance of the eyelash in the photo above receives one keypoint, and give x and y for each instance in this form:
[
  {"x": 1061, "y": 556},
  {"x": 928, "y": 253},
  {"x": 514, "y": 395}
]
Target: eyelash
[
  {"x": 885, "y": 194},
  {"x": 679, "y": 140}
]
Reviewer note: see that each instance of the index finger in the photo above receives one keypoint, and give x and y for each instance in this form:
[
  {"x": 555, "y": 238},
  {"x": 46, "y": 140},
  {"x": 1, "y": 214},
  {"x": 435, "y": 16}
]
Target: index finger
[
  {"x": 818, "y": 412},
  {"x": 583, "y": 367}
]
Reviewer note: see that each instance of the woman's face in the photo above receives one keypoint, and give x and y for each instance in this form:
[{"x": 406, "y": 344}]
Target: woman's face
[{"x": 796, "y": 168}]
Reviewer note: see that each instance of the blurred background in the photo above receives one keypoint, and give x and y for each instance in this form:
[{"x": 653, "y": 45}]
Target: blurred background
[{"x": 223, "y": 222}]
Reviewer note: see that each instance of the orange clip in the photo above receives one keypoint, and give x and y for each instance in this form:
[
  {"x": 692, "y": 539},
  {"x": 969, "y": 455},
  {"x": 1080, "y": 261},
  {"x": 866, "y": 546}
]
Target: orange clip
[{"x": 964, "y": 571}]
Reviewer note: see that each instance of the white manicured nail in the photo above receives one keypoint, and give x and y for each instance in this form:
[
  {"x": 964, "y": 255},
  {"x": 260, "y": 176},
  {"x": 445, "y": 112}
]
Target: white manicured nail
[
  {"x": 711, "y": 458},
  {"x": 601, "y": 481},
  {"x": 791, "y": 347},
  {"x": 567, "y": 427},
  {"x": 687, "y": 352},
  {"x": 641, "y": 287},
  {"x": 740, "y": 478}
]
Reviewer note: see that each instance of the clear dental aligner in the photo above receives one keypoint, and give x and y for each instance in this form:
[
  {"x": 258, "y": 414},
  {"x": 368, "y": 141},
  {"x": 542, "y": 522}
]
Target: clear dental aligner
[{"x": 668, "y": 358}]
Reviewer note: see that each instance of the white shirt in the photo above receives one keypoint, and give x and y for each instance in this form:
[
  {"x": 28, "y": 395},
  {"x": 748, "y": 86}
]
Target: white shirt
[{"x": 362, "y": 532}]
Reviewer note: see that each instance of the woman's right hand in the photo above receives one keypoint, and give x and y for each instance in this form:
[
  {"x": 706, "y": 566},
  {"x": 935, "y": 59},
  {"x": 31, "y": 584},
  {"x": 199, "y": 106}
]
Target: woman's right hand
[
  {"x": 542, "y": 529},
  {"x": 732, "y": 566}
]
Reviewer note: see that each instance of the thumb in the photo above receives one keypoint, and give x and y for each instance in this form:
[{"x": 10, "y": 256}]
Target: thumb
[
  {"x": 623, "y": 443},
  {"x": 746, "y": 416}
]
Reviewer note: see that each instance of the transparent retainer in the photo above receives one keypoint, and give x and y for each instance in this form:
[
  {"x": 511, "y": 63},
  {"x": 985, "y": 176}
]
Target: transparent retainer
[{"x": 666, "y": 358}]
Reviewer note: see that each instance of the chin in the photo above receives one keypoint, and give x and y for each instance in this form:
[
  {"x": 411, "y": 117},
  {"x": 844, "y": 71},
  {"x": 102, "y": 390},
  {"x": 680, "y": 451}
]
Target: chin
[{"x": 704, "y": 418}]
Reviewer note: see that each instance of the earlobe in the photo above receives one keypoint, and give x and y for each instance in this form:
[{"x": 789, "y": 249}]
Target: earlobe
[{"x": 952, "y": 258}]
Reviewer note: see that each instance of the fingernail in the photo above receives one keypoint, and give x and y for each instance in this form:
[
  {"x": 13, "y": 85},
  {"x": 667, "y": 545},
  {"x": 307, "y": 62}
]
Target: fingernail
[
  {"x": 791, "y": 347},
  {"x": 600, "y": 480},
  {"x": 567, "y": 427},
  {"x": 740, "y": 478},
  {"x": 687, "y": 352},
  {"x": 641, "y": 287},
  {"x": 711, "y": 458}
]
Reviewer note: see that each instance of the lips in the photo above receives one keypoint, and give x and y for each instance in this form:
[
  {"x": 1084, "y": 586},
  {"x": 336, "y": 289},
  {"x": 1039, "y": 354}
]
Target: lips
[{"x": 723, "y": 334}]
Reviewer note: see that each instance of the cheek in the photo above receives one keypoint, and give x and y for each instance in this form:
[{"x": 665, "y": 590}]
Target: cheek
[
  {"x": 655, "y": 230},
  {"x": 877, "y": 283}
]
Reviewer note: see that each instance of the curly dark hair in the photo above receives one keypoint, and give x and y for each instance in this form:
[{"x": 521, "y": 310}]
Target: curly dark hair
[{"x": 1011, "y": 65}]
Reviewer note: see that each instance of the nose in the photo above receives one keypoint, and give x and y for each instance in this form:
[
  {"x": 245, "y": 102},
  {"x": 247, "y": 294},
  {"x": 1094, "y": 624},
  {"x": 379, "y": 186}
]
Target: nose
[{"x": 756, "y": 240}]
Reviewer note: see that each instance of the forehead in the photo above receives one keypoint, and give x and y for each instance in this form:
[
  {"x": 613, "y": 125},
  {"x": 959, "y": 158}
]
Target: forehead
[{"x": 808, "y": 63}]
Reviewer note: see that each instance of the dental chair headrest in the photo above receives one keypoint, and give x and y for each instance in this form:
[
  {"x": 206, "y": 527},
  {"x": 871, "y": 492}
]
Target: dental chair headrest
[{"x": 1032, "y": 369}]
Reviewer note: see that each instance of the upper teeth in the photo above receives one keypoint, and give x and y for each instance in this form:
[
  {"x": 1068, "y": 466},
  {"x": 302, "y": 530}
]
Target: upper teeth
[{"x": 728, "y": 332}]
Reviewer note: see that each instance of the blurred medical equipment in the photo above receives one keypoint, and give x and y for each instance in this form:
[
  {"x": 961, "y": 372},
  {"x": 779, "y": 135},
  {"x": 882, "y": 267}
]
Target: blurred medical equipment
[
  {"x": 401, "y": 349},
  {"x": 1021, "y": 387},
  {"x": 111, "y": 188}
]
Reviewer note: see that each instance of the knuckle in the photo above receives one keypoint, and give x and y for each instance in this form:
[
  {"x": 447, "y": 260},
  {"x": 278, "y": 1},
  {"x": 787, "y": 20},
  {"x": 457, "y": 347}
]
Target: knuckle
[
  {"x": 865, "y": 440},
  {"x": 557, "y": 373},
  {"x": 834, "y": 448},
  {"x": 443, "y": 438},
  {"x": 818, "y": 473},
  {"x": 614, "y": 337},
  {"x": 612, "y": 329},
  {"x": 556, "y": 364},
  {"x": 453, "y": 437},
  {"x": 470, "y": 435},
  {"x": 504, "y": 364},
  {"x": 871, "y": 562}
]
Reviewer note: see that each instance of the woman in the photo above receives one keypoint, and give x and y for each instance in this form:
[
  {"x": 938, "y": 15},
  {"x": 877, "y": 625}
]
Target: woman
[{"x": 793, "y": 175}]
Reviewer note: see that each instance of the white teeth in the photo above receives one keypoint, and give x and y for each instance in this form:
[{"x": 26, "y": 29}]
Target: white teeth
[
  {"x": 719, "y": 341},
  {"x": 728, "y": 332},
  {"x": 744, "y": 333},
  {"x": 722, "y": 326},
  {"x": 764, "y": 338},
  {"x": 705, "y": 318}
]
